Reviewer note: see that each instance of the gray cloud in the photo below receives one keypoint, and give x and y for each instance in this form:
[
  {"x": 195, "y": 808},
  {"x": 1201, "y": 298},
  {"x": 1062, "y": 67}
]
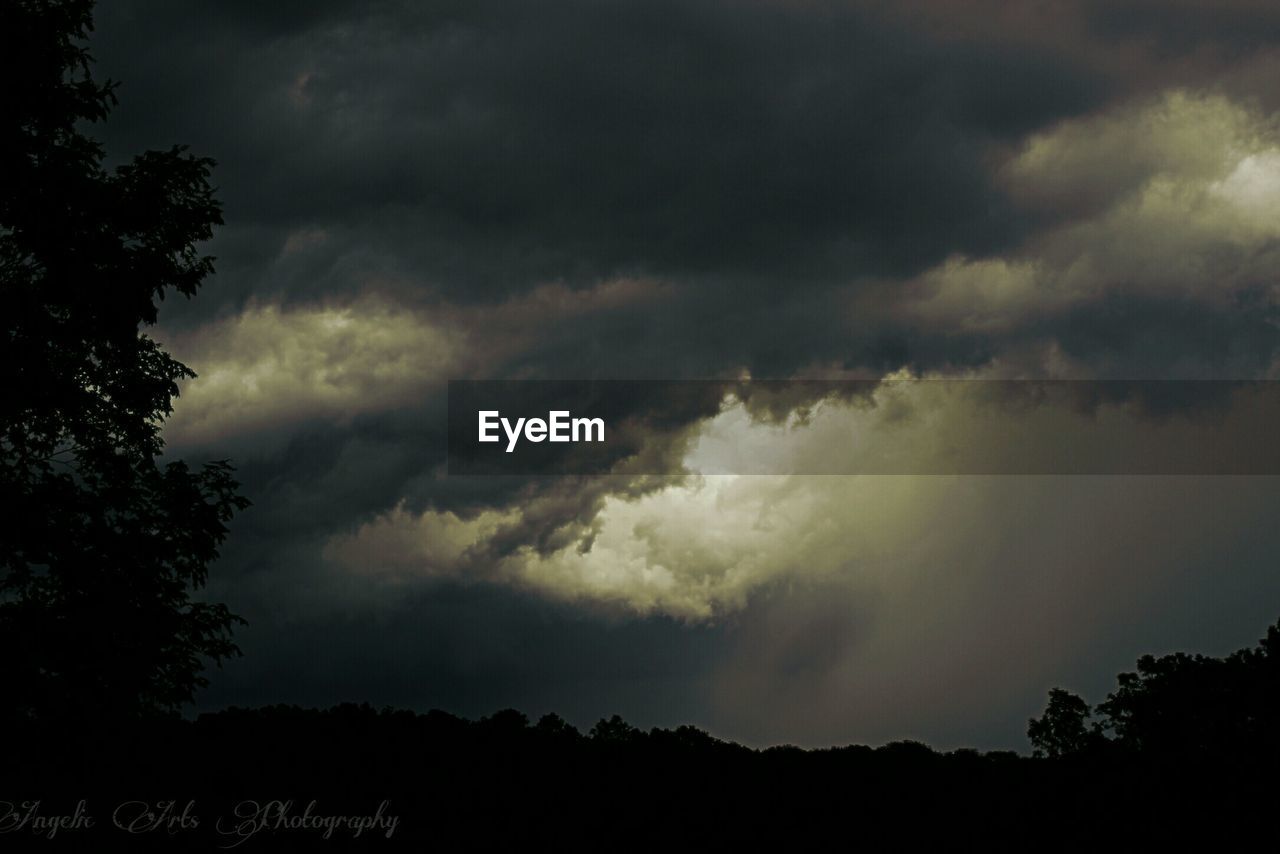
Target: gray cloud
[
  {"x": 478, "y": 150},
  {"x": 698, "y": 189}
]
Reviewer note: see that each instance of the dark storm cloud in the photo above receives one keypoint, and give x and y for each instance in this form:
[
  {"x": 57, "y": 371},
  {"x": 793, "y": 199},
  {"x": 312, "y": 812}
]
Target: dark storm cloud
[
  {"x": 755, "y": 157},
  {"x": 759, "y": 154},
  {"x": 1149, "y": 337},
  {"x": 1177, "y": 27},
  {"x": 768, "y": 181},
  {"x": 479, "y": 149}
]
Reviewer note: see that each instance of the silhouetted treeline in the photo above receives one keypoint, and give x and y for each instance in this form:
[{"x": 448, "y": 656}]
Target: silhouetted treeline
[{"x": 1185, "y": 746}]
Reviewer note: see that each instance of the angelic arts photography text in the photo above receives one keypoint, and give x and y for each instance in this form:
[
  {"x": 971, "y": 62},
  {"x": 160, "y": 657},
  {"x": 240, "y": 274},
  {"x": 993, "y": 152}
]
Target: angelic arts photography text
[{"x": 244, "y": 821}]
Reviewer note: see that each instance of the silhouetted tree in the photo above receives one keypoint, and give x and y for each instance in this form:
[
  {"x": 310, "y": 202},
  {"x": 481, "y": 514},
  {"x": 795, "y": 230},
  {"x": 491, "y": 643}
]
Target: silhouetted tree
[
  {"x": 552, "y": 725},
  {"x": 101, "y": 546},
  {"x": 505, "y": 723},
  {"x": 1194, "y": 704},
  {"x": 1063, "y": 728},
  {"x": 615, "y": 730},
  {"x": 1177, "y": 706}
]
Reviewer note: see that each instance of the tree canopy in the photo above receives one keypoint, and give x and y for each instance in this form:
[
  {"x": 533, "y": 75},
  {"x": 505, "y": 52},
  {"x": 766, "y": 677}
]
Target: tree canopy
[
  {"x": 1175, "y": 707},
  {"x": 102, "y": 544}
]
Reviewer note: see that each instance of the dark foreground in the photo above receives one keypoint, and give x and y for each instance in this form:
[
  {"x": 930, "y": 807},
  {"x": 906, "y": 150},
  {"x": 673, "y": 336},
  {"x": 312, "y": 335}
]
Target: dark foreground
[{"x": 353, "y": 777}]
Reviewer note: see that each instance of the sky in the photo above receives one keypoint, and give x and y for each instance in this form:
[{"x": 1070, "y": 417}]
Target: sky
[{"x": 615, "y": 189}]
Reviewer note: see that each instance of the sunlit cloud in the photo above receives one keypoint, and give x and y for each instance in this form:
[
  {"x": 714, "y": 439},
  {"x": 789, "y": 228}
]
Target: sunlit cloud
[{"x": 270, "y": 365}]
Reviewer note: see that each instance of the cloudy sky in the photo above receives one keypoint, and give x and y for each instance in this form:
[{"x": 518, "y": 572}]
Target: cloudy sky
[{"x": 415, "y": 193}]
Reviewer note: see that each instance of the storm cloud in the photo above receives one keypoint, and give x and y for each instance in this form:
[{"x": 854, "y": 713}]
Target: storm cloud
[{"x": 714, "y": 190}]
